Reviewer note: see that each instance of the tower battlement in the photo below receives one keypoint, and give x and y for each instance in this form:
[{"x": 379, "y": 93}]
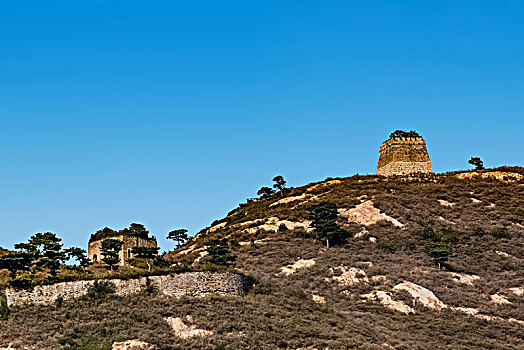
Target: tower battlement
[{"x": 402, "y": 155}]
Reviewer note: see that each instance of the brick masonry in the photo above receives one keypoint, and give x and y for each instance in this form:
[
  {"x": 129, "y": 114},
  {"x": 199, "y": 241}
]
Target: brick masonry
[
  {"x": 402, "y": 156},
  {"x": 129, "y": 242}
]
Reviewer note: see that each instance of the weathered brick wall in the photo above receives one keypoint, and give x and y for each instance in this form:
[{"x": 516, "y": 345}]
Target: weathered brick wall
[
  {"x": 401, "y": 156},
  {"x": 93, "y": 251},
  {"x": 190, "y": 283}
]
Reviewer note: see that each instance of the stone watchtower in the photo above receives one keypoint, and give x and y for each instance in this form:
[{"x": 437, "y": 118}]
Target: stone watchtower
[
  {"x": 404, "y": 153},
  {"x": 134, "y": 236}
]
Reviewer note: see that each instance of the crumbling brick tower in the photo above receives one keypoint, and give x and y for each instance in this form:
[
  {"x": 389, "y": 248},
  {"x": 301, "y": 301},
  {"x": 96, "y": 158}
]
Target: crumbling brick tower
[
  {"x": 134, "y": 236},
  {"x": 404, "y": 153}
]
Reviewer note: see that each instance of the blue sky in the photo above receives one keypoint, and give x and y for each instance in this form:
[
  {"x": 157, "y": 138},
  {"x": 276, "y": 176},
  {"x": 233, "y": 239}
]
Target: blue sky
[{"x": 170, "y": 113}]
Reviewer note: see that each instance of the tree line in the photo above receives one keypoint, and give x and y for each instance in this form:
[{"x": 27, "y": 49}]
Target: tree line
[{"x": 41, "y": 256}]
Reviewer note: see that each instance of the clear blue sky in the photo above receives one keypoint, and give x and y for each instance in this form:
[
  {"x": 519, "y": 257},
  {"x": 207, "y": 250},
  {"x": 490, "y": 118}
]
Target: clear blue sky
[{"x": 170, "y": 113}]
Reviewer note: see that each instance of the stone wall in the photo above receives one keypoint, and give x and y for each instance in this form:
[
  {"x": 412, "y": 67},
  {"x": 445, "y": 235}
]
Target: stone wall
[
  {"x": 184, "y": 284},
  {"x": 402, "y": 156}
]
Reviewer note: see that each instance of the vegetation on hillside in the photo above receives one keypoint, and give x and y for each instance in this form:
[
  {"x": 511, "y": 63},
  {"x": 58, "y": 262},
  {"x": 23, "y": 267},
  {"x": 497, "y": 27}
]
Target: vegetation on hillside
[
  {"x": 472, "y": 227},
  {"x": 42, "y": 260},
  {"x": 402, "y": 133},
  {"x": 477, "y": 163},
  {"x": 134, "y": 230},
  {"x": 179, "y": 236},
  {"x": 4, "y": 251},
  {"x": 324, "y": 222}
]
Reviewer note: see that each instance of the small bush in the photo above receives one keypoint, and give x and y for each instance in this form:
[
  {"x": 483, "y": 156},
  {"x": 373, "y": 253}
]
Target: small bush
[
  {"x": 478, "y": 232},
  {"x": 4, "y": 308},
  {"x": 4, "y": 278},
  {"x": 438, "y": 250},
  {"x": 262, "y": 288},
  {"x": 149, "y": 288},
  {"x": 387, "y": 246},
  {"x": 100, "y": 290},
  {"x": 160, "y": 261},
  {"x": 500, "y": 232},
  {"x": 282, "y": 228},
  {"x": 59, "y": 302},
  {"x": 22, "y": 281}
]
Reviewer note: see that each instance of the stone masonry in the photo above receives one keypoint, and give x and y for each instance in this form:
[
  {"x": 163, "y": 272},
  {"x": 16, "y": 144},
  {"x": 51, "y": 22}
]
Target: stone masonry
[
  {"x": 196, "y": 284},
  {"x": 129, "y": 242},
  {"x": 403, "y": 156}
]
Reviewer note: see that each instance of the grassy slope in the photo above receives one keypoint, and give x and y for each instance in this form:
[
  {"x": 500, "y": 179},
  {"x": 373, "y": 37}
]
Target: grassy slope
[
  {"x": 279, "y": 311},
  {"x": 3, "y": 251}
]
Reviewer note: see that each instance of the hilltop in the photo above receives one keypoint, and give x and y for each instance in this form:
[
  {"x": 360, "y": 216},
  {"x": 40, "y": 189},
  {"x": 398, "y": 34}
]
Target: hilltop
[
  {"x": 383, "y": 264},
  {"x": 376, "y": 287}
]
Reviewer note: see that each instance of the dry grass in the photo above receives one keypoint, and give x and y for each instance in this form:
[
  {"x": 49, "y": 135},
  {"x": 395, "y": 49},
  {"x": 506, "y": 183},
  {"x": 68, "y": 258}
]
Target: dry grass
[{"x": 279, "y": 311}]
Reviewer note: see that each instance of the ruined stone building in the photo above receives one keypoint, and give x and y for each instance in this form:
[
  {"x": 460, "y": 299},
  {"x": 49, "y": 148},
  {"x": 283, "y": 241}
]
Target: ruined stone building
[
  {"x": 134, "y": 236},
  {"x": 403, "y": 153}
]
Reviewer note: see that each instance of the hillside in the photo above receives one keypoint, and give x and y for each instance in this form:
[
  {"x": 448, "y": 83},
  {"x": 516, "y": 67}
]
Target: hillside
[{"x": 377, "y": 288}]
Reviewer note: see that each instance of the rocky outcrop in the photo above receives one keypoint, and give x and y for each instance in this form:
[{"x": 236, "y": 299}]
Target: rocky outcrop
[
  {"x": 498, "y": 298},
  {"x": 292, "y": 268},
  {"x": 318, "y": 299},
  {"x": 184, "y": 331},
  {"x": 421, "y": 295},
  {"x": 347, "y": 276},
  {"x": 427, "y": 298},
  {"x": 385, "y": 299},
  {"x": 517, "y": 290},
  {"x": 464, "y": 278},
  {"x": 499, "y": 175},
  {"x": 366, "y": 214},
  {"x": 289, "y": 199},
  {"x": 184, "y": 284},
  {"x": 273, "y": 223},
  {"x": 446, "y": 203}
]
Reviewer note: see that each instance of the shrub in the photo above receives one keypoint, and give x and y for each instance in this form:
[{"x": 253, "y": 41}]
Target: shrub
[
  {"x": 387, "y": 246},
  {"x": 59, "y": 302},
  {"x": 149, "y": 288},
  {"x": 159, "y": 261},
  {"x": 219, "y": 254},
  {"x": 500, "y": 232},
  {"x": 439, "y": 244},
  {"x": 439, "y": 251},
  {"x": 100, "y": 290},
  {"x": 478, "y": 232},
  {"x": 4, "y": 278},
  {"x": 41, "y": 277},
  {"x": 4, "y": 308},
  {"x": 282, "y": 228},
  {"x": 22, "y": 281}
]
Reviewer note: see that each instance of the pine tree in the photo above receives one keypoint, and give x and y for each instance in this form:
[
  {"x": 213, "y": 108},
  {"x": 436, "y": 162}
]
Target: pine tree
[
  {"x": 180, "y": 236},
  {"x": 79, "y": 255},
  {"x": 110, "y": 249},
  {"x": 279, "y": 184},
  {"x": 46, "y": 250},
  {"x": 477, "y": 163},
  {"x": 219, "y": 254},
  {"x": 146, "y": 253},
  {"x": 324, "y": 221}
]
